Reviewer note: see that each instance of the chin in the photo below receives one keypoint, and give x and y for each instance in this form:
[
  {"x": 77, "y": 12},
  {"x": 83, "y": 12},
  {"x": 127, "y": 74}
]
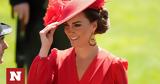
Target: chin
[
  {"x": 78, "y": 45},
  {"x": 74, "y": 45}
]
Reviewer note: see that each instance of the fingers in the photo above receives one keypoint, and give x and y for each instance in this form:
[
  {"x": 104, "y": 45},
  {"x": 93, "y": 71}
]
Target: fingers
[
  {"x": 19, "y": 12},
  {"x": 26, "y": 14},
  {"x": 54, "y": 24},
  {"x": 50, "y": 27},
  {"x": 46, "y": 35},
  {"x": 46, "y": 30},
  {"x": 23, "y": 12}
]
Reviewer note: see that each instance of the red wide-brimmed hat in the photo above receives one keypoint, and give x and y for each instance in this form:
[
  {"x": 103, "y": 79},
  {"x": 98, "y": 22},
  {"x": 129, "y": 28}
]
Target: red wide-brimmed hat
[{"x": 62, "y": 10}]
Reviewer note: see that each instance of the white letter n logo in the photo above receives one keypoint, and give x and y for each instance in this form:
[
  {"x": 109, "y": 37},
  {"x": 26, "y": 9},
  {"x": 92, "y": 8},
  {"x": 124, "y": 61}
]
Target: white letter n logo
[{"x": 15, "y": 75}]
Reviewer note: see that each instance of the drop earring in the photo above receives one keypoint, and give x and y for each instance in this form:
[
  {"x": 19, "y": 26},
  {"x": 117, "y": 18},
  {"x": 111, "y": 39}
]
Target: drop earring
[{"x": 92, "y": 41}]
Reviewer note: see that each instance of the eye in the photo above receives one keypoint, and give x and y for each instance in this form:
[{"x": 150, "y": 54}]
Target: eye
[
  {"x": 1, "y": 38},
  {"x": 77, "y": 25}
]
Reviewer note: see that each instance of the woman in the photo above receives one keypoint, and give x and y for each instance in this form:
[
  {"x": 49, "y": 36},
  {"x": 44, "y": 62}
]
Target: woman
[{"x": 85, "y": 62}]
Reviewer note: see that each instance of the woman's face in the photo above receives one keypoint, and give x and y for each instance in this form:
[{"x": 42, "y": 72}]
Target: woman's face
[{"x": 79, "y": 29}]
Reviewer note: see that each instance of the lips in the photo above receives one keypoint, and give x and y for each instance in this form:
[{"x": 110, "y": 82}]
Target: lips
[{"x": 74, "y": 37}]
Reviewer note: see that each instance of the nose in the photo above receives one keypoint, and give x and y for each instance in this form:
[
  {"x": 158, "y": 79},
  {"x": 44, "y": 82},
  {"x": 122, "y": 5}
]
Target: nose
[
  {"x": 70, "y": 29},
  {"x": 5, "y": 45}
]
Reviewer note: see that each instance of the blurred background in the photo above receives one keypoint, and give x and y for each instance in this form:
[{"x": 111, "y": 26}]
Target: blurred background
[{"x": 134, "y": 35}]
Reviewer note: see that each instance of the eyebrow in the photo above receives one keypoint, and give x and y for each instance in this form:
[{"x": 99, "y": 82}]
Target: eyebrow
[
  {"x": 72, "y": 23},
  {"x": 76, "y": 22},
  {"x": 1, "y": 37}
]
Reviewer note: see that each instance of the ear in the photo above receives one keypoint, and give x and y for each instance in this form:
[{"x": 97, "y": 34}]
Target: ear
[{"x": 95, "y": 25}]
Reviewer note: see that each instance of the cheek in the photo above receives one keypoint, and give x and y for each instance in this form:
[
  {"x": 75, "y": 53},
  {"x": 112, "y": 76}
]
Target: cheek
[
  {"x": 85, "y": 34},
  {"x": 1, "y": 48},
  {"x": 87, "y": 31},
  {"x": 66, "y": 32}
]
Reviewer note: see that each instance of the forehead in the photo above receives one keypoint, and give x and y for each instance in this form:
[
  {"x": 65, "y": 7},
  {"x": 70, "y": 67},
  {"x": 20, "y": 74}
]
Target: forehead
[{"x": 79, "y": 17}]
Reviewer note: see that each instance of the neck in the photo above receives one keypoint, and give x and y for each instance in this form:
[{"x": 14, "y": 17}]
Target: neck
[{"x": 86, "y": 52}]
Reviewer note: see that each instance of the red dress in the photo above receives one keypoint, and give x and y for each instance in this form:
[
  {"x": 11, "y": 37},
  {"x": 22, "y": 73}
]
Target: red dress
[{"x": 60, "y": 68}]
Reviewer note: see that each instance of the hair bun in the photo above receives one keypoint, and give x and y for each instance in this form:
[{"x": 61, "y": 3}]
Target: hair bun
[{"x": 103, "y": 24}]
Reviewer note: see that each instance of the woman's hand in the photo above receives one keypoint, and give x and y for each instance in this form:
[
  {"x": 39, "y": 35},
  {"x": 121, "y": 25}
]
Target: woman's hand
[
  {"x": 22, "y": 11},
  {"x": 46, "y": 36}
]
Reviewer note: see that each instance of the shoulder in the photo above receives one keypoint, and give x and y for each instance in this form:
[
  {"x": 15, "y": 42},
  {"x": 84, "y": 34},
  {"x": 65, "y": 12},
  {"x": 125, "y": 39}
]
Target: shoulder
[
  {"x": 119, "y": 63},
  {"x": 116, "y": 61},
  {"x": 61, "y": 54},
  {"x": 117, "y": 72}
]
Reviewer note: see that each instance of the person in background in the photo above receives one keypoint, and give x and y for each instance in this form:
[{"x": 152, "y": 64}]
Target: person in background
[
  {"x": 30, "y": 22},
  {"x": 4, "y": 29},
  {"x": 85, "y": 62}
]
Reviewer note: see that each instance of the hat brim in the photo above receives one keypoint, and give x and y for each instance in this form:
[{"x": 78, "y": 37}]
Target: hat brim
[
  {"x": 73, "y": 8},
  {"x": 5, "y": 29}
]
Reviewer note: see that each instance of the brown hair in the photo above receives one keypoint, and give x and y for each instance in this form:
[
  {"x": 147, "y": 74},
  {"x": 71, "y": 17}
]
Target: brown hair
[{"x": 102, "y": 19}]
